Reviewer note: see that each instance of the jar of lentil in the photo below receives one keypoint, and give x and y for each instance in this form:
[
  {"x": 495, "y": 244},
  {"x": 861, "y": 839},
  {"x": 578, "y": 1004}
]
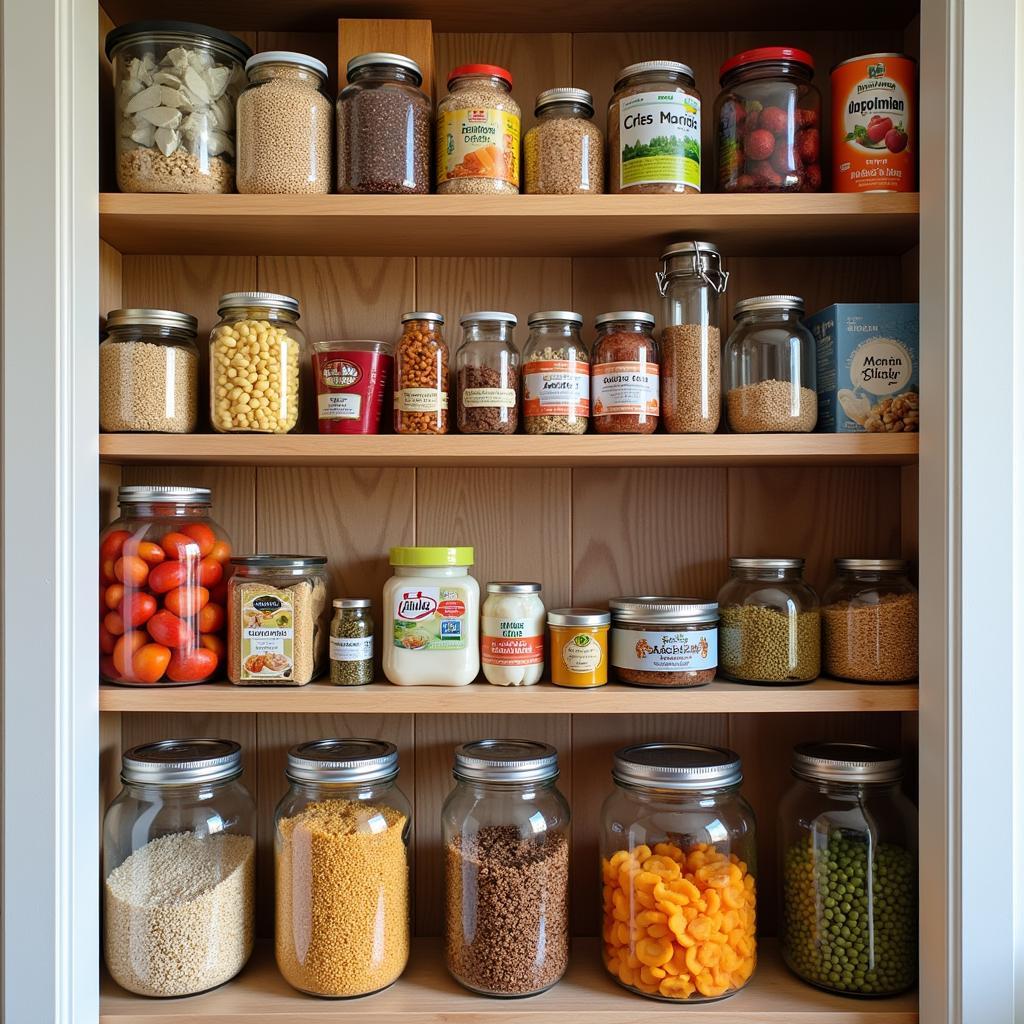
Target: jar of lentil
[
  {"x": 691, "y": 281},
  {"x": 769, "y": 622},
  {"x": 383, "y": 127},
  {"x": 556, "y": 374},
  {"x": 421, "y": 376},
  {"x": 770, "y": 368},
  {"x": 487, "y": 374},
  {"x": 505, "y": 829},
  {"x": 654, "y": 129},
  {"x": 564, "y": 150},
  {"x": 848, "y": 857},
  {"x": 677, "y": 836},
  {"x": 624, "y": 374},
  {"x": 579, "y": 647},
  {"x": 341, "y": 869},
  {"x": 869, "y": 621},
  {"x": 149, "y": 372},
  {"x": 351, "y": 643}
]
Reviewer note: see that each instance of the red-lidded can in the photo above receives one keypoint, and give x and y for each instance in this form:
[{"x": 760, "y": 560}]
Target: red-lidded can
[{"x": 351, "y": 380}]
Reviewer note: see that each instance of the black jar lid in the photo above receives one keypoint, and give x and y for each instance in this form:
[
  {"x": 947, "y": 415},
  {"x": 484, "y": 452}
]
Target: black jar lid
[
  {"x": 851, "y": 763},
  {"x": 125, "y": 34}
]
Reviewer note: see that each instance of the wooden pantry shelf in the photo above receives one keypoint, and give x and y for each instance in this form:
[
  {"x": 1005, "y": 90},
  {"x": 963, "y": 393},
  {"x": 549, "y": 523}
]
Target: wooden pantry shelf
[{"x": 605, "y": 225}]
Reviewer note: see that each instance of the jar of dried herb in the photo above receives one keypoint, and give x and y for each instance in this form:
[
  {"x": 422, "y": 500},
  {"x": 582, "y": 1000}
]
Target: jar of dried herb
[{"x": 351, "y": 642}]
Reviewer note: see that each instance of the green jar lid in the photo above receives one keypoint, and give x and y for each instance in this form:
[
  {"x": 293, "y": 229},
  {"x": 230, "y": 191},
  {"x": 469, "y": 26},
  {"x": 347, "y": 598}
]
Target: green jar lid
[{"x": 429, "y": 557}]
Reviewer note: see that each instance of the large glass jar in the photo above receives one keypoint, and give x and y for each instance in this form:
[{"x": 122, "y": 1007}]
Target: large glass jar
[
  {"x": 770, "y": 371},
  {"x": 564, "y": 150},
  {"x": 691, "y": 280},
  {"x": 678, "y": 864},
  {"x": 848, "y": 857},
  {"x": 769, "y": 622},
  {"x": 179, "y": 852},
  {"x": 556, "y": 374},
  {"x": 768, "y": 118},
  {"x": 624, "y": 385},
  {"x": 505, "y": 829},
  {"x": 341, "y": 869},
  {"x": 487, "y": 374},
  {"x": 869, "y": 621},
  {"x": 421, "y": 376},
  {"x": 149, "y": 372},
  {"x": 175, "y": 87},
  {"x": 163, "y": 590}
]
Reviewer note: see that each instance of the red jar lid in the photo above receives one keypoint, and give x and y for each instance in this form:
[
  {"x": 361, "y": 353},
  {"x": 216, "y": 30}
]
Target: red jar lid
[
  {"x": 766, "y": 53},
  {"x": 493, "y": 70}
]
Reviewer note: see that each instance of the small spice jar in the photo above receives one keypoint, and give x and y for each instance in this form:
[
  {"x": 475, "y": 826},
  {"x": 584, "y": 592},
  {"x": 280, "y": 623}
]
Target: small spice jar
[
  {"x": 624, "y": 386},
  {"x": 564, "y": 150},
  {"x": 579, "y": 646},
  {"x": 351, "y": 379},
  {"x": 421, "y": 376},
  {"x": 664, "y": 641},
  {"x": 556, "y": 374},
  {"x": 351, "y": 644},
  {"x": 512, "y": 634},
  {"x": 487, "y": 374},
  {"x": 149, "y": 372}
]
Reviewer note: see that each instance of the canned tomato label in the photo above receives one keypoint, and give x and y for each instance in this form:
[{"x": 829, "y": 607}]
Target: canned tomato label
[{"x": 874, "y": 124}]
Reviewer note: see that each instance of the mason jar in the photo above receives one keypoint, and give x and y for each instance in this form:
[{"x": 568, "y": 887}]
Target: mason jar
[
  {"x": 624, "y": 386},
  {"x": 556, "y": 374},
  {"x": 564, "y": 150},
  {"x": 352, "y": 630},
  {"x": 487, "y": 374}
]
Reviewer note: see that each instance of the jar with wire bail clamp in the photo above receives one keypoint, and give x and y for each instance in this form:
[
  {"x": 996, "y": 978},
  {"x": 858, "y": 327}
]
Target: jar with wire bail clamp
[
  {"x": 487, "y": 374},
  {"x": 564, "y": 150},
  {"x": 624, "y": 382}
]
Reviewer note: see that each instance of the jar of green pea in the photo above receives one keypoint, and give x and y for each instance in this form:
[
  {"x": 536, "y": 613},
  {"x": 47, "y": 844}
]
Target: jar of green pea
[{"x": 351, "y": 642}]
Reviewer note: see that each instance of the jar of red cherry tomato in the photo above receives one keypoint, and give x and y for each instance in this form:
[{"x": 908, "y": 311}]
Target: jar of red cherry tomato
[
  {"x": 163, "y": 581},
  {"x": 769, "y": 122}
]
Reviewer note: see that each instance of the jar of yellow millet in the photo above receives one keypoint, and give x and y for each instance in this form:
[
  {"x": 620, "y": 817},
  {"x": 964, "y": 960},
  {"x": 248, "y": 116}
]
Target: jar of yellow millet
[{"x": 579, "y": 646}]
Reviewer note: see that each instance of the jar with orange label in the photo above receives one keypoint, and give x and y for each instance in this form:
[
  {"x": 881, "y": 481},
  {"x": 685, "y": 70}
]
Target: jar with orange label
[
  {"x": 512, "y": 634},
  {"x": 624, "y": 374},
  {"x": 556, "y": 374},
  {"x": 579, "y": 646}
]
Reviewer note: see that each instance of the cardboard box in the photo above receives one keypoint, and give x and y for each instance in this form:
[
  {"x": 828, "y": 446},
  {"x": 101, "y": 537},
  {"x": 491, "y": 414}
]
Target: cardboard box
[{"x": 409, "y": 37}]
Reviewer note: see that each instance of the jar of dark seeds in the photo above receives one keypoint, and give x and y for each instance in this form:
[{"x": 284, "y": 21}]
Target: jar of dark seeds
[
  {"x": 487, "y": 374},
  {"x": 352, "y": 642},
  {"x": 564, "y": 150}
]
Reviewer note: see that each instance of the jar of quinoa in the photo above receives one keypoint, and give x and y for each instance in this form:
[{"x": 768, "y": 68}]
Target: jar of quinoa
[
  {"x": 624, "y": 374},
  {"x": 556, "y": 374},
  {"x": 564, "y": 150},
  {"x": 421, "y": 376}
]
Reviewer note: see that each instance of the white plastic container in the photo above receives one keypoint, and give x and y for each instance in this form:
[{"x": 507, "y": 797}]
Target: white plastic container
[{"x": 512, "y": 627}]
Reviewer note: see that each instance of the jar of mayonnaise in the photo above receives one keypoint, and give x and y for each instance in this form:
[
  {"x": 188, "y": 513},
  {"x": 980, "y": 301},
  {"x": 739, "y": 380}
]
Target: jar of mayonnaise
[
  {"x": 434, "y": 607},
  {"x": 512, "y": 634}
]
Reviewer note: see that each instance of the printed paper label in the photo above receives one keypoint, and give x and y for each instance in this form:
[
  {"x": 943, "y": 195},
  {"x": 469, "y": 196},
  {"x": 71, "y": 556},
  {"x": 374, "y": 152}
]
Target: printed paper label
[
  {"x": 582, "y": 653},
  {"x": 430, "y": 619},
  {"x": 478, "y": 142},
  {"x": 340, "y": 406},
  {"x": 420, "y": 400},
  {"x": 489, "y": 398},
  {"x": 659, "y": 133},
  {"x": 687, "y": 650},
  {"x": 509, "y": 642},
  {"x": 556, "y": 387},
  {"x": 267, "y": 635},
  {"x": 625, "y": 389},
  {"x": 351, "y": 648}
]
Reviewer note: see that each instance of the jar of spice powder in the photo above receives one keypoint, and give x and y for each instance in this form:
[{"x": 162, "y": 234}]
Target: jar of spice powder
[
  {"x": 564, "y": 150},
  {"x": 351, "y": 644},
  {"x": 556, "y": 374},
  {"x": 624, "y": 374},
  {"x": 579, "y": 646},
  {"x": 487, "y": 374},
  {"x": 421, "y": 376}
]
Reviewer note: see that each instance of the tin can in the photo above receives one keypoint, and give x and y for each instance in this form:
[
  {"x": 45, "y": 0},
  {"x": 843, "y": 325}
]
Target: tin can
[{"x": 874, "y": 124}]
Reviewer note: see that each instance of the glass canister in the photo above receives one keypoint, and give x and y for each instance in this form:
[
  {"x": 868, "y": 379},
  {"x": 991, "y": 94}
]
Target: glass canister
[
  {"x": 505, "y": 828},
  {"x": 149, "y": 372},
  {"x": 175, "y": 87},
  {"x": 678, "y": 863},
  {"x": 869, "y": 621},
  {"x": 421, "y": 376},
  {"x": 179, "y": 852},
  {"x": 579, "y": 646},
  {"x": 512, "y": 634},
  {"x": 487, "y": 374},
  {"x": 564, "y": 150},
  {"x": 341, "y": 869},
  {"x": 556, "y": 374},
  {"x": 691, "y": 281},
  {"x": 848, "y": 857},
  {"x": 624, "y": 385},
  {"x": 770, "y": 371},
  {"x": 163, "y": 571},
  {"x": 769, "y": 122},
  {"x": 352, "y": 642}
]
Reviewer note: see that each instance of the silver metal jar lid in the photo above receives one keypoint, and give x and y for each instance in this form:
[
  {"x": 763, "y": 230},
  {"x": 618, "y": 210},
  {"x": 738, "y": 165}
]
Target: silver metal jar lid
[
  {"x": 422, "y": 315},
  {"x": 351, "y": 602},
  {"x": 509, "y": 587},
  {"x": 700, "y": 260},
  {"x": 343, "y": 760},
  {"x": 579, "y": 617},
  {"x": 663, "y": 610},
  {"x": 542, "y": 316},
  {"x": 302, "y": 60},
  {"x": 846, "y": 762},
  {"x": 553, "y": 97},
  {"x": 138, "y": 494},
  {"x": 152, "y": 318},
  {"x": 267, "y": 300},
  {"x": 681, "y": 766},
  {"x": 182, "y": 762},
  {"x": 489, "y": 314},
  {"x": 394, "y": 60},
  {"x": 280, "y": 561},
  {"x": 768, "y": 303},
  {"x": 505, "y": 761},
  {"x": 624, "y": 314},
  {"x": 872, "y": 564},
  {"x": 766, "y": 563},
  {"x": 672, "y": 67}
]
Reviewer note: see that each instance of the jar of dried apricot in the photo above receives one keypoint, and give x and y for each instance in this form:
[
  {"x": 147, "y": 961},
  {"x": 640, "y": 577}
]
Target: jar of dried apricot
[{"x": 421, "y": 376}]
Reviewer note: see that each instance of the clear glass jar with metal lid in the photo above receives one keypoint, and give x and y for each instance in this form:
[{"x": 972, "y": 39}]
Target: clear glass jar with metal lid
[
  {"x": 512, "y": 634},
  {"x": 770, "y": 368},
  {"x": 848, "y": 858},
  {"x": 579, "y": 646},
  {"x": 179, "y": 855},
  {"x": 869, "y": 621},
  {"x": 654, "y": 129},
  {"x": 505, "y": 828},
  {"x": 421, "y": 375},
  {"x": 487, "y": 374},
  {"x": 564, "y": 150},
  {"x": 352, "y": 642},
  {"x": 556, "y": 374},
  {"x": 259, "y": 366},
  {"x": 624, "y": 387},
  {"x": 769, "y": 622},
  {"x": 678, "y": 863},
  {"x": 341, "y": 868}
]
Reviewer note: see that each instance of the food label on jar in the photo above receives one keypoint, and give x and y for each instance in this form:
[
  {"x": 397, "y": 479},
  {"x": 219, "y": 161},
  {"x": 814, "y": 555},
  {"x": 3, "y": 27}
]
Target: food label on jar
[
  {"x": 351, "y": 648},
  {"x": 556, "y": 387},
  {"x": 687, "y": 650},
  {"x": 267, "y": 635},
  {"x": 489, "y": 398},
  {"x": 582, "y": 653},
  {"x": 624, "y": 389},
  {"x": 420, "y": 400},
  {"x": 659, "y": 133},
  {"x": 478, "y": 143},
  {"x": 339, "y": 406},
  {"x": 508, "y": 642},
  {"x": 430, "y": 619}
]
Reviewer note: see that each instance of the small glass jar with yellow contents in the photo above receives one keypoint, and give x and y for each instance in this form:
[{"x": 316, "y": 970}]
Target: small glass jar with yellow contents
[{"x": 579, "y": 646}]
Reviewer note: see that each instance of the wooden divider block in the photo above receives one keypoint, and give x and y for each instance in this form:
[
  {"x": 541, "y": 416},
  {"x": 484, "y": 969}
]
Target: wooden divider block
[{"x": 410, "y": 38}]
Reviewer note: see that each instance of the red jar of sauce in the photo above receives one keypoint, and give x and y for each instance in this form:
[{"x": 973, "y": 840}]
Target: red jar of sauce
[{"x": 351, "y": 380}]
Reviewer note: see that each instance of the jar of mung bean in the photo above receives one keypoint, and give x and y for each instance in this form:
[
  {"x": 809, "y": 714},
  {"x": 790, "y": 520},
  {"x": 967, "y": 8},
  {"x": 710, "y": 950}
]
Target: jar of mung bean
[
  {"x": 556, "y": 374},
  {"x": 352, "y": 642},
  {"x": 564, "y": 150}
]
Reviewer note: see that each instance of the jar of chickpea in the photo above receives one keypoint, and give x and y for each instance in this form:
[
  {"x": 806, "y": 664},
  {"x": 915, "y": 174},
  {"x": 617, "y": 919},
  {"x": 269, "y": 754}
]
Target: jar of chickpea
[{"x": 421, "y": 376}]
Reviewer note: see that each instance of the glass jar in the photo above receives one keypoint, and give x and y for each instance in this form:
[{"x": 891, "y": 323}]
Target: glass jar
[
  {"x": 691, "y": 280},
  {"x": 352, "y": 642},
  {"x": 487, "y": 374},
  {"x": 179, "y": 853},
  {"x": 869, "y": 621},
  {"x": 564, "y": 150},
  {"x": 257, "y": 364},
  {"x": 848, "y": 857},
  {"x": 284, "y": 126},
  {"x": 505, "y": 828},
  {"x": 556, "y": 374},
  {"x": 384, "y": 120},
  {"x": 512, "y": 634},
  {"x": 149, "y": 372},
  {"x": 278, "y": 619},
  {"x": 624, "y": 375},
  {"x": 163, "y": 570},
  {"x": 769, "y": 622},
  {"x": 654, "y": 129},
  {"x": 421, "y": 376},
  {"x": 579, "y": 647},
  {"x": 769, "y": 122},
  {"x": 678, "y": 849},
  {"x": 351, "y": 380},
  {"x": 478, "y": 133},
  {"x": 341, "y": 869},
  {"x": 770, "y": 371},
  {"x": 175, "y": 87}
]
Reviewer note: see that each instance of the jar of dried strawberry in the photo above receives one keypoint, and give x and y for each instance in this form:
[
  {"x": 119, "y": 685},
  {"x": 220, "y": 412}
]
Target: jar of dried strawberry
[
  {"x": 769, "y": 122},
  {"x": 624, "y": 374}
]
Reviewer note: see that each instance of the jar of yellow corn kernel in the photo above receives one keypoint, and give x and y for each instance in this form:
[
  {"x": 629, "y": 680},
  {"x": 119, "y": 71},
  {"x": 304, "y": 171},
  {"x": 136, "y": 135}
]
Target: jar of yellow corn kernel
[{"x": 677, "y": 863}]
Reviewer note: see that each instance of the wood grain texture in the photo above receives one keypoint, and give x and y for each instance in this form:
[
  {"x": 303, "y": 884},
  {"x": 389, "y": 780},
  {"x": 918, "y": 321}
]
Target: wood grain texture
[
  {"x": 909, "y": 515},
  {"x": 110, "y": 762},
  {"x": 322, "y": 45},
  {"x": 110, "y": 280},
  {"x": 411, "y": 37}
]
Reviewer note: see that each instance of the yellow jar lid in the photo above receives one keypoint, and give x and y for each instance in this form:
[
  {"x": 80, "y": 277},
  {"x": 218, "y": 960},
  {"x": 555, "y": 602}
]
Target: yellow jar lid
[{"x": 430, "y": 557}]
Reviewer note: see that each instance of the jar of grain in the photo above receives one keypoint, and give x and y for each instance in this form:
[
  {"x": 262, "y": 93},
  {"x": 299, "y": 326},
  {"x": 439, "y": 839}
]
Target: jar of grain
[
  {"x": 505, "y": 829},
  {"x": 564, "y": 150},
  {"x": 691, "y": 280},
  {"x": 556, "y": 374},
  {"x": 149, "y": 372},
  {"x": 421, "y": 376},
  {"x": 341, "y": 869},
  {"x": 869, "y": 621},
  {"x": 624, "y": 374},
  {"x": 487, "y": 374},
  {"x": 284, "y": 126},
  {"x": 579, "y": 646},
  {"x": 770, "y": 368},
  {"x": 478, "y": 133}
]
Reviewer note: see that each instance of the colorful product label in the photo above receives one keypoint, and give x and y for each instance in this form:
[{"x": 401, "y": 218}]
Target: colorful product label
[
  {"x": 267, "y": 634},
  {"x": 687, "y": 650},
  {"x": 478, "y": 142},
  {"x": 582, "y": 653},
  {"x": 420, "y": 400},
  {"x": 489, "y": 398},
  {"x": 556, "y": 387},
  {"x": 659, "y": 135},
  {"x": 430, "y": 619},
  {"x": 625, "y": 389},
  {"x": 350, "y": 390},
  {"x": 351, "y": 648},
  {"x": 510, "y": 642}
]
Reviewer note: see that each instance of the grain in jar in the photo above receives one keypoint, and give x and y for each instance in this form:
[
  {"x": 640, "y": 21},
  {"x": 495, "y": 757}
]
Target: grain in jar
[
  {"x": 564, "y": 150},
  {"x": 624, "y": 380},
  {"x": 487, "y": 374},
  {"x": 421, "y": 376},
  {"x": 556, "y": 374}
]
